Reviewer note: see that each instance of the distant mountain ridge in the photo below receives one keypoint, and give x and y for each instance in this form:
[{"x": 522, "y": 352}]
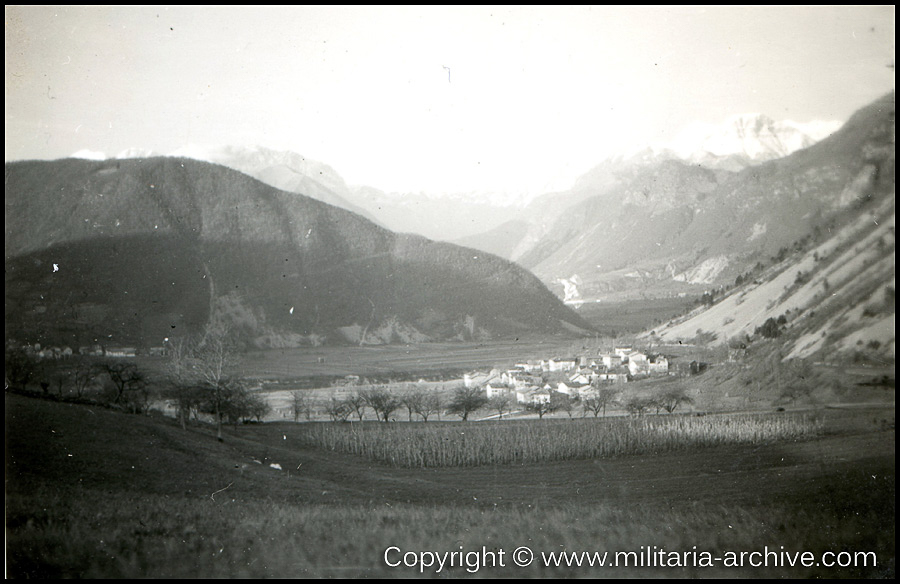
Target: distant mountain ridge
[
  {"x": 135, "y": 250},
  {"x": 740, "y": 141},
  {"x": 287, "y": 171},
  {"x": 829, "y": 295},
  {"x": 676, "y": 219},
  {"x": 284, "y": 170},
  {"x": 650, "y": 229},
  {"x": 745, "y": 140}
]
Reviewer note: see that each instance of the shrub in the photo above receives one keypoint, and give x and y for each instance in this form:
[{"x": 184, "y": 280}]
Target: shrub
[{"x": 769, "y": 329}]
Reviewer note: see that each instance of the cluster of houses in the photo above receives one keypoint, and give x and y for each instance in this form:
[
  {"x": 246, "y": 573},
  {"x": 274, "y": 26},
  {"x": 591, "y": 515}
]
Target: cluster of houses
[
  {"x": 35, "y": 350},
  {"x": 39, "y": 352},
  {"x": 533, "y": 382}
]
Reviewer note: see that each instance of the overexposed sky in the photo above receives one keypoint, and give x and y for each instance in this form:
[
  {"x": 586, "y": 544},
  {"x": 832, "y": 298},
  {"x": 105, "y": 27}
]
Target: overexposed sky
[{"x": 512, "y": 99}]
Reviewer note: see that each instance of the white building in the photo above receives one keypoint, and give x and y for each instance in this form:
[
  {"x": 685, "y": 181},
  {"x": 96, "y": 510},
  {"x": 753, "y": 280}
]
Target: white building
[
  {"x": 580, "y": 379},
  {"x": 612, "y": 377},
  {"x": 561, "y": 364},
  {"x": 623, "y": 352},
  {"x": 659, "y": 365},
  {"x": 611, "y": 361},
  {"x": 121, "y": 352},
  {"x": 500, "y": 390}
]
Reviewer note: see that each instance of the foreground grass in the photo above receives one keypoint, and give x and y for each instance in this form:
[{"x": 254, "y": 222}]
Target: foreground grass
[
  {"x": 93, "y": 493},
  {"x": 521, "y": 442},
  {"x": 93, "y": 534}
]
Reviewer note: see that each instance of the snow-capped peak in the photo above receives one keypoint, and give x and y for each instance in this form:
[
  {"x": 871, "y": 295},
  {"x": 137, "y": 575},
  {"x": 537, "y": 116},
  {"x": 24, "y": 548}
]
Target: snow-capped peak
[
  {"x": 257, "y": 160},
  {"x": 86, "y": 154},
  {"x": 753, "y": 136},
  {"x": 135, "y": 153}
]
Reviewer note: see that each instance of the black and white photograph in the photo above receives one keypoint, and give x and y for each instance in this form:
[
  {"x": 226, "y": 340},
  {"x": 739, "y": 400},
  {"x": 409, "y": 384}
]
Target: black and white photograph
[{"x": 449, "y": 292}]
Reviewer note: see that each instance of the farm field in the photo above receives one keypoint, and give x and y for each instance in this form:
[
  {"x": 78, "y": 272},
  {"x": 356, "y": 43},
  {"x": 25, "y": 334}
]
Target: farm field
[
  {"x": 326, "y": 366},
  {"x": 384, "y": 360},
  {"x": 634, "y": 316},
  {"x": 94, "y": 493},
  {"x": 317, "y": 367}
]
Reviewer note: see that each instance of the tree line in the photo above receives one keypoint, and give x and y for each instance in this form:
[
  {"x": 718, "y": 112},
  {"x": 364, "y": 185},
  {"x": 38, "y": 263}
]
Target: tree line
[{"x": 200, "y": 379}]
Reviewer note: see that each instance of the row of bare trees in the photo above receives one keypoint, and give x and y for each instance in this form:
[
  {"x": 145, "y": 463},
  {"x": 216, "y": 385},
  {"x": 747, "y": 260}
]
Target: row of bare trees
[
  {"x": 463, "y": 402},
  {"x": 383, "y": 402},
  {"x": 598, "y": 401},
  {"x": 199, "y": 379},
  {"x": 379, "y": 399},
  {"x": 114, "y": 383},
  {"x": 667, "y": 400}
]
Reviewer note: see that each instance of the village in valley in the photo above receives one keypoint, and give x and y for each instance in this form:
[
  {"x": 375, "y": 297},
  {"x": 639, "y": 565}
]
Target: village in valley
[
  {"x": 592, "y": 382},
  {"x": 534, "y": 382},
  {"x": 585, "y": 385}
]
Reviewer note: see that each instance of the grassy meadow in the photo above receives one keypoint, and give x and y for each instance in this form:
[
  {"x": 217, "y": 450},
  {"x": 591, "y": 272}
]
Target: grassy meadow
[
  {"x": 127, "y": 536},
  {"x": 96, "y": 493}
]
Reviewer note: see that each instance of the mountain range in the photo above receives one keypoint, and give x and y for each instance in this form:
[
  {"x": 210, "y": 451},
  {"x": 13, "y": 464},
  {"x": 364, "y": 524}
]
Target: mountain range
[
  {"x": 829, "y": 295},
  {"x": 671, "y": 227},
  {"x": 134, "y": 250},
  {"x": 743, "y": 140},
  {"x": 705, "y": 215},
  {"x": 472, "y": 216}
]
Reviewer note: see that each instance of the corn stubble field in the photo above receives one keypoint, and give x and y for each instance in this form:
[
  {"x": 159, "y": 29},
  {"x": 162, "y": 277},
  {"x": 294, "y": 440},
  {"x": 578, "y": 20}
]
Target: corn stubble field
[
  {"x": 526, "y": 442},
  {"x": 96, "y": 493}
]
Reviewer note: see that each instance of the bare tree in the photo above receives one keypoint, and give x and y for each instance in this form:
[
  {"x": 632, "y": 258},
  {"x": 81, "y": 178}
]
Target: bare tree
[
  {"x": 467, "y": 400},
  {"x": 338, "y": 410},
  {"x": 83, "y": 376},
  {"x": 188, "y": 401},
  {"x": 541, "y": 408},
  {"x": 670, "y": 399},
  {"x": 202, "y": 362},
  {"x": 500, "y": 403},
  {"x": 410, "y": 399},
  {"x": 184, "y": 388},
  {"x": 430, "y": 403},
  {"x": 638, "y": 405},
  {"x": 566, "y": 404},
  {"x": 558, "y": 401},
  {"x": 609, "y": 397},
  {"x": 60, "y": 380},
  {"x": 302, "y": 405},
  {"x": 599, "y": 400},
  {"x": 234, "y": 402},
  {"x": 357, "y": 405},
  {"x": 238, "y": 403},
  {"x": 795, "y": 380},
  {"x": 383, "y": 402},
  {"x": 21, "y": 367},
  {"x": 257, "y": 406},
  {"x": 130, "y": 385}
]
